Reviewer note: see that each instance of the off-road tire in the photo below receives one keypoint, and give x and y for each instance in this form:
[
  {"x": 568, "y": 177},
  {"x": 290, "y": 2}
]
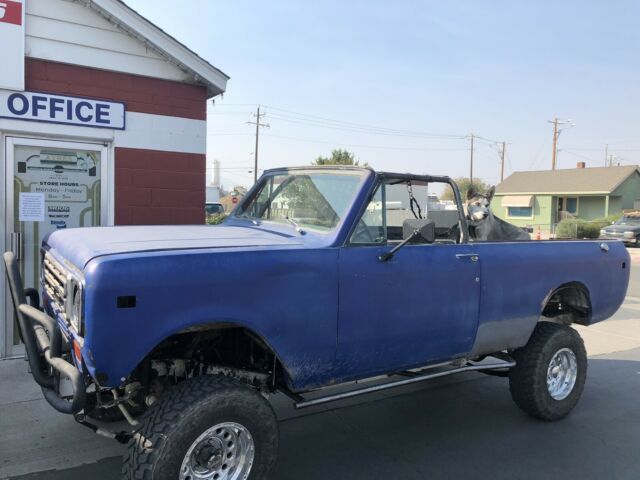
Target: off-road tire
[
  {"x": 528, "y": 379},
  {"x": 187, "y": 410}
]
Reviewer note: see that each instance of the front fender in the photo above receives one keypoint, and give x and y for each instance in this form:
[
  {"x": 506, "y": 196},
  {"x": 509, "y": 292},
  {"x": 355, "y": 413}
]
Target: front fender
[{"x": 287, "y": 297}]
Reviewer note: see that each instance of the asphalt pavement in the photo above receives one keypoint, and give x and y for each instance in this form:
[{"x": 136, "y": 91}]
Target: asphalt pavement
[
  {"x": 458, "y": 427},
  {"x": 465, "y": 428}
]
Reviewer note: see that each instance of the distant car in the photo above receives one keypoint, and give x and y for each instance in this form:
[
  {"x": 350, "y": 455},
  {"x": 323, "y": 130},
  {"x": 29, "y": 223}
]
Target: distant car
[
  {"x": 626, "y": 229},
  {"x": 214, "y": 208}
]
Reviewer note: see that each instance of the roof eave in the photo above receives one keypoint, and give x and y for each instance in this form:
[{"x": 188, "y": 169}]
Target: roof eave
[
  {"x": 636, "y": 170},
  {"x": 161, "y": 42}
]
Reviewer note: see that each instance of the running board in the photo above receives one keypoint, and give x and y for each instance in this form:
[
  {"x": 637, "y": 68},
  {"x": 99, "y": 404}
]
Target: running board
[{"x": 302, "y": 403}]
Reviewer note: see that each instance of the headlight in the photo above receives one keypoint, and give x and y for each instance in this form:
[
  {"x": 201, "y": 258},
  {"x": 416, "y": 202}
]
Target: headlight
[
  {"x": 603, "y": 232},
  {"x": 629, "y": 234},
  {"x": 75, "y": 310}
]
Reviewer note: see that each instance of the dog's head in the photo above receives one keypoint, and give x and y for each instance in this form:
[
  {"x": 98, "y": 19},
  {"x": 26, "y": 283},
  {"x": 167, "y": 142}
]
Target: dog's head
[{"x": 478, "y": 203}]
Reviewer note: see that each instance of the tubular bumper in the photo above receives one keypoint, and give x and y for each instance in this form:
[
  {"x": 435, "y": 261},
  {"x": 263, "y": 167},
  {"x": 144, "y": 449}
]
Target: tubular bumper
[{"x": 43, "y": 342}]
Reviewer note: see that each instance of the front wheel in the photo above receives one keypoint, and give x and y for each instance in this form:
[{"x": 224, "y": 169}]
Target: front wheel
[
  {"x": 550, "y": 372},
  {"x": 208, "y": 427}
]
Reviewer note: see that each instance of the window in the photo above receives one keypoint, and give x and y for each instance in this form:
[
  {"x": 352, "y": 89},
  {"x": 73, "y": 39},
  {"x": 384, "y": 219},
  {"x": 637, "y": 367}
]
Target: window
[
  {"x": 371, "y": 226},
  {"x": 310, "y": 199},
  {"x": 571, "y": 205},
  {"x": 383, "y": 218},
  {"x": 520, "y": 212}
]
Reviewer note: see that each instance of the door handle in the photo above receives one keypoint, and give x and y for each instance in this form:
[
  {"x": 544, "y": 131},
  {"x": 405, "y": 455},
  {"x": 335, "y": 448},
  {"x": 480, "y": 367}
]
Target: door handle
[
  {"x": 473, "y": 256},
  {"x": 16, "y": 245}
]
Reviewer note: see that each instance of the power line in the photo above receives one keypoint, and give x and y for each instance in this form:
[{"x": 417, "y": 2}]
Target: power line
[
  {"x": 216, "y": 134},
  {"x": 364, "y": 130},
  {"x": 380, "y": 147},
  {"x": 325, "y": 122},
  {"x": 329, "y": 121}
]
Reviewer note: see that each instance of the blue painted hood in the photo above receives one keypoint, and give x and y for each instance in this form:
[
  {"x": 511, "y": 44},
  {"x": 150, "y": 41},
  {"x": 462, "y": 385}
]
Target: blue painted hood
[{"x": 80, "y": 245}]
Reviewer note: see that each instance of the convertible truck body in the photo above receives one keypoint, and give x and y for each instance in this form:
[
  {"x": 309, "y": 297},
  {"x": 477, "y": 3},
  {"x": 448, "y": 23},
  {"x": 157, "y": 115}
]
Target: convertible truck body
[
  {"x": 321, "y": 308},
  {"x": 331, "y": 314}
]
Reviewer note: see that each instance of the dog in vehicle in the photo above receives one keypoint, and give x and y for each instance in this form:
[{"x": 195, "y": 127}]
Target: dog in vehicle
[{"x": 484, "y": 226}]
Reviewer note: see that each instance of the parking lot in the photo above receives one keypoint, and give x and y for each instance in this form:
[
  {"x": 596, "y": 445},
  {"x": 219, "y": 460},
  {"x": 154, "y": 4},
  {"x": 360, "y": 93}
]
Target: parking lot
[{"x": 464, "y": 426}]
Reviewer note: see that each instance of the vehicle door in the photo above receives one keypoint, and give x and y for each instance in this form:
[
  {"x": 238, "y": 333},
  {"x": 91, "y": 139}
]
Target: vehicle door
[{"x": 420, "y": 306}]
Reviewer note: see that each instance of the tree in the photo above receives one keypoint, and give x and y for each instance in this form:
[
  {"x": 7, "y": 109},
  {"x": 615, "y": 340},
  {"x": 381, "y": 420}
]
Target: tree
[
  {"x": 338, "y": 157},
  {"x": 463, "y": 185}
]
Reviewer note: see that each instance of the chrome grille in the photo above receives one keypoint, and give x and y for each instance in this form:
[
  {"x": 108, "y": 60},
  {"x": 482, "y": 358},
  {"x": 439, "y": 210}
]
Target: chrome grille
[{"x": 55, "y": 284}]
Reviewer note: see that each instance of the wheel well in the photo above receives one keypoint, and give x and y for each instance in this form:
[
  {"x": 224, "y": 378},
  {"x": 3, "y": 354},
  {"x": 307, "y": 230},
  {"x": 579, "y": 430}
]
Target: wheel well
[
  {"x": 220, "y": 348},
  {"x": 214, "y": 349},
  {"x": 569, "y": 303}
]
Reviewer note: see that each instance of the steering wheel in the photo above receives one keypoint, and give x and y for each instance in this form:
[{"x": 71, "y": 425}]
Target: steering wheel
[{"x": 362, "y": 234}]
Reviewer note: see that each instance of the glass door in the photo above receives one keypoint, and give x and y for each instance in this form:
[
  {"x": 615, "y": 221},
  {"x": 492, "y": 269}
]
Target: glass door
[{"x": 50, "y": 185}]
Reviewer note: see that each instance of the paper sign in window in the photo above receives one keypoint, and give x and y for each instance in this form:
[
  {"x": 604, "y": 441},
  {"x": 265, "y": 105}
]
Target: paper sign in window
[{"x": 31, "y": 207}]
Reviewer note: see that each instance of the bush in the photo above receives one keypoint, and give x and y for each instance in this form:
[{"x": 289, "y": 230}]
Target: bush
[
  {"x": 215, "y": 219},
  {"x": 579, "y": 228}
]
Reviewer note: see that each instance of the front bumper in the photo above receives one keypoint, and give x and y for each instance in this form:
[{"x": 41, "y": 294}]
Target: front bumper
[
  {"x": 628, "y": 241},
  {"x": 43, "y": 343}
]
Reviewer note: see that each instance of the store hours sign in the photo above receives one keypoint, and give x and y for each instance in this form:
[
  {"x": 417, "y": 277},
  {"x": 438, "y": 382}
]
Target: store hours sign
[{"x": 43, "y": 107}]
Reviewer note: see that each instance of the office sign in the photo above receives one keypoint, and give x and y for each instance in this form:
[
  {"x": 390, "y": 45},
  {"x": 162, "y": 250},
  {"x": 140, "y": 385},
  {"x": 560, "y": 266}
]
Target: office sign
[
  {"x": 43, "y": 107},
  {"x": 12, "y": 44}
]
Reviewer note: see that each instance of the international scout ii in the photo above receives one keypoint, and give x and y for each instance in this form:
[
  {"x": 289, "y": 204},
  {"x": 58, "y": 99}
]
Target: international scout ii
[{"x": 311, "y": 282}]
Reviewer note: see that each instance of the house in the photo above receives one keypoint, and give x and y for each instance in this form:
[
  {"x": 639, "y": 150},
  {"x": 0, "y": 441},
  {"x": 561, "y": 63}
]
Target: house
[{"x": 543, "y": 198}]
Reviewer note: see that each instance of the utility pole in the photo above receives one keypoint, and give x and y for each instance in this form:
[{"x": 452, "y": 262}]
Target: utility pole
[
  {"x": 606, "y": 154},
  {"x": 471, "y": 163},
  {"x": 504, "y": 146},
  {"x": 556, "y": 135},
  {"x": 257, "y": 123},
  {"x": 554, "y": 153}
]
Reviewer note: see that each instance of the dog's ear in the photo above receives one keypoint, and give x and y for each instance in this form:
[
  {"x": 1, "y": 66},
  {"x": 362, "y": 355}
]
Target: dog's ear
[
  {"x": 472, "y": 192},
  {"x": 490, "y": 193}
]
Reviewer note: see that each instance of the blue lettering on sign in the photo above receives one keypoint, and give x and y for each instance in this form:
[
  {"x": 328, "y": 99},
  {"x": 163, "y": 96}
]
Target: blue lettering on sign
[
  {"x": 102, "y": 112},
  {"x": 38, "y": 103},
  {"x": 53, "y": 106},
  {"x": 12, "y": 104},
  {"x": 79, "y": 107},
  {"x": 62, "y": 109},
  {"x": 69, "y": 110},
  {"x": 59, "y": 224}
]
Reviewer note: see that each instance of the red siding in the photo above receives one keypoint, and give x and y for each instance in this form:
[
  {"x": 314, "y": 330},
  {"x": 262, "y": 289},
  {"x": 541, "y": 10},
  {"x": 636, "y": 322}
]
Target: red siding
[
  {"x": 140, "y": 94},
  {"x": 154, "y": 187}
]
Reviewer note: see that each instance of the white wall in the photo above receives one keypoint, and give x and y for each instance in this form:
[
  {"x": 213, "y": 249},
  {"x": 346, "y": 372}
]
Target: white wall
[{"x": 70, "y": 32}]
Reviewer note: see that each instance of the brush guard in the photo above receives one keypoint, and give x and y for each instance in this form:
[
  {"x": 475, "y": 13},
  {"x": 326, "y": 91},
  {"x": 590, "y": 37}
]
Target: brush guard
[{"x": 42, "y": 339}]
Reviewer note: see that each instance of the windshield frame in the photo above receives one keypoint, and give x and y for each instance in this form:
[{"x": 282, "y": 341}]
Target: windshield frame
[{"x": 362, "y": 172}]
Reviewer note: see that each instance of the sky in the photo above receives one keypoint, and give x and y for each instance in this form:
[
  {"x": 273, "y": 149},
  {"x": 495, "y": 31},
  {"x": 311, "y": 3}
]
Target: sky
[{"x": 403, "y": 84}]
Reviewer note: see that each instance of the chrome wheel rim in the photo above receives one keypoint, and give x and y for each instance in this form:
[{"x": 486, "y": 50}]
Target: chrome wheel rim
[
  {"x": 224, "y": 452},
  {"x": 562, "y": 374}
]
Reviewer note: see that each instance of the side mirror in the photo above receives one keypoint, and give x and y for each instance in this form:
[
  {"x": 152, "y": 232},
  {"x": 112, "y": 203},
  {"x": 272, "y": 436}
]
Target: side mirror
[
  {"x": 420, "y": 230},
  {"x": 423, "y": 230}
]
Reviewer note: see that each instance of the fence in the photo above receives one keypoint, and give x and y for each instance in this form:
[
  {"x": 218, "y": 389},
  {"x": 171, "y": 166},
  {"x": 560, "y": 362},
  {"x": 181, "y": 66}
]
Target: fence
[{"x": 572, "y": 228}]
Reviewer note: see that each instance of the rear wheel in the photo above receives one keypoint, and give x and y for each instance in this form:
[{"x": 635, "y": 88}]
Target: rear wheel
[
  {"x": 550, "y": 372},
  {"x": 208, "y": 427}
]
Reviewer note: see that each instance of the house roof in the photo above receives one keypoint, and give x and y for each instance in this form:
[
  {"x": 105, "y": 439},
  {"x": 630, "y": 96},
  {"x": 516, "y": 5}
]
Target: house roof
[
  {"x": 117, "y": 12},
  {"x": 597, "y": 180}
]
